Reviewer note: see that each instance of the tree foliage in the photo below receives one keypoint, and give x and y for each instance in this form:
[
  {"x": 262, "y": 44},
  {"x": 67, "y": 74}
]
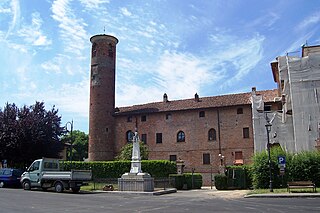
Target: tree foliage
[
  {"x": 126, "y": 152},
  {"x": 29, "y": 132},
  {"x": 79, "y": 141}
]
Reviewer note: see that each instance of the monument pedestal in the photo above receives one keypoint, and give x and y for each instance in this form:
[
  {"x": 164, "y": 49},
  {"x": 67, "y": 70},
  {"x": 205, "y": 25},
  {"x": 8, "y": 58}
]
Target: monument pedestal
[{"x": 141, "y": 182}]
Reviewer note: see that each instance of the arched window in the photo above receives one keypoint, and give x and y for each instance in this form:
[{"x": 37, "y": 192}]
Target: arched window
[
  {"x": 181, "y": 136},
  {"x": 129, "y": 136},
  {"x": 212, "y": 135}
]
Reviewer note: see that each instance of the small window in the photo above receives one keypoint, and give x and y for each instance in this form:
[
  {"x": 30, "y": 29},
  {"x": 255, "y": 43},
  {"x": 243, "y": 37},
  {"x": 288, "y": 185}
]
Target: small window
[
  {"x": 212, "y": 135},
  {"x": 240, "y": 111},
  {"x": 129, "y": 119},
  {"x": 168, "y": 116},
  {"x": 158, "y": 137},
  {"x": 238, "y": 158},
  {"x": 143, "y": 118},
  {"x": 246, "y": 132},
  {"x": 94, "y": 50},
  {"x": 144, "y": 138},
  {"x": 180, "y": 136},
  {"x": 129, "y": 136},
  {"x": 202, "y": 114},
  {"x": 267, "y": 108},
  {"x": 206, "y": 158},
  {"x": 173, "y": 157}
]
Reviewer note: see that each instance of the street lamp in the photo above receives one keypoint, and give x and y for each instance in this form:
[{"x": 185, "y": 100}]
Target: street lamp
[
  {"x": 71, "y": 142},
  {"x": 221, "y": 167},
  {"x": 268, "y": 128}
]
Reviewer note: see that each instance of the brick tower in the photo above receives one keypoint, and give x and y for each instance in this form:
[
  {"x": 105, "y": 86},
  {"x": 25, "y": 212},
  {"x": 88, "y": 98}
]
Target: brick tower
[{"x": 102, "y": 97}]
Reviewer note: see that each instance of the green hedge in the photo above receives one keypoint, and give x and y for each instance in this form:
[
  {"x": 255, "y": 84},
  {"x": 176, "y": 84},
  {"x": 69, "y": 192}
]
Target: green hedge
[
  {"x": 114, "y": 169},
  {"x": 179, "y": 181},
  {"x": 301, "y": 166},
  {"x": 221, "y": 182}
]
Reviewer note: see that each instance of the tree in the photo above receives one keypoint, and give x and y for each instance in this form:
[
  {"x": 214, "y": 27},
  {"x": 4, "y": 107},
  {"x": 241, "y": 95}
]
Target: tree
[
  {"x": 79, "y": 141},
  {"x": 126, "y": 152},
  {"x": 29, "y": 132}
]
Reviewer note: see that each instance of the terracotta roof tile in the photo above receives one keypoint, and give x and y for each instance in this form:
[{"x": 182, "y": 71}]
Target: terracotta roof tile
[{"x": 203, "y": 103}]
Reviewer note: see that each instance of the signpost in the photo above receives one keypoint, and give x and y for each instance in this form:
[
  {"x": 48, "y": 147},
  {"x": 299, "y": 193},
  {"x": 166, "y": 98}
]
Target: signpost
[{"x": 282, "y": 164}]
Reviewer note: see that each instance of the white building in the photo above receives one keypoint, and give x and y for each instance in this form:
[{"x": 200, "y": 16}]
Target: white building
[{"x": 295, "y": 113}]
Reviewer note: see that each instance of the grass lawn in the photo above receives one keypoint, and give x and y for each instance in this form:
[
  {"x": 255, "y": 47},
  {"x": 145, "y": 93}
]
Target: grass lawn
[
  {"x": 280, "y": 191},
  {"x": 97, "y": 186}
]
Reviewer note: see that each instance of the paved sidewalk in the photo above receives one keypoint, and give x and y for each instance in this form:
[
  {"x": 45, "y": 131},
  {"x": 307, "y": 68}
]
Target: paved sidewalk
[{"x": 213, "y": 192}]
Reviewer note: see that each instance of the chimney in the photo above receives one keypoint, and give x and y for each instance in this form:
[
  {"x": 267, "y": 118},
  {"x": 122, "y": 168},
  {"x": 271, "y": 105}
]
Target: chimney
[
  {"x": 254, "y": 89},
  {"x": 196, "y": 97},
  {"x": 165, "y": 97}
]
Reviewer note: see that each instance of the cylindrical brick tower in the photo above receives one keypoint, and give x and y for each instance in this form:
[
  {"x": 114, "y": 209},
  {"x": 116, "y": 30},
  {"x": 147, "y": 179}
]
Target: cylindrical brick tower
[{"x": 102, "y": 97}]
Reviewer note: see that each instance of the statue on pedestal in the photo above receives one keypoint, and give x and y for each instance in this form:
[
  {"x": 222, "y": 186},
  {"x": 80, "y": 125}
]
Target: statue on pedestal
[{"x": 136, "y": 158}]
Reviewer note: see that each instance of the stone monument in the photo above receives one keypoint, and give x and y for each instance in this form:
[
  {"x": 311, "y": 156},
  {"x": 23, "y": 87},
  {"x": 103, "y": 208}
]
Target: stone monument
[{"x": 136, "y": 180}]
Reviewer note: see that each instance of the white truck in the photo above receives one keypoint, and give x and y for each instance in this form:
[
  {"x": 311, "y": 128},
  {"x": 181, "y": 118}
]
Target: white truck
[{"x": 45, "y": 173}]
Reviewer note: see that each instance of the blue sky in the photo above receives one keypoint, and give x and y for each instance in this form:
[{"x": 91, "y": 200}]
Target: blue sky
[{"x": 178, "y": 47}]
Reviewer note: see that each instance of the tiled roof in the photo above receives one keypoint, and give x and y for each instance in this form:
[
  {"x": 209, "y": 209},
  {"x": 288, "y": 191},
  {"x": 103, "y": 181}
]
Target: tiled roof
[{"x": 203, "y": 103}]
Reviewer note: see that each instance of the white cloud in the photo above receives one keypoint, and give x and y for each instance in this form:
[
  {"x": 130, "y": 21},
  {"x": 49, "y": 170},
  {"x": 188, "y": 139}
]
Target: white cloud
[
  {"x": 266, "y": 20},
  {"x": 33, "y": 34},
  {"x": 240, "y": 55},
  {"x": 93, "y": 4},
  {"x": 180, "y": 75},
  {"x": 309, "y": 21},
  {"x": 15, "y": 9},
  {"x": 125, "y": 11},
  {"x": 68, "y": 94},
  {"x": 72, "y": 30}
]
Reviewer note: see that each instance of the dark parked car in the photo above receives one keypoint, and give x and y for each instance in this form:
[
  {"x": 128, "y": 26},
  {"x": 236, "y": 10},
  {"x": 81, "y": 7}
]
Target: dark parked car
[{"x": 10, "y": 177}]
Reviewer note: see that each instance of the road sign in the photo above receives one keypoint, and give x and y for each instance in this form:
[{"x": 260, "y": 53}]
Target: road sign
[{"x": 281, "y": 160}]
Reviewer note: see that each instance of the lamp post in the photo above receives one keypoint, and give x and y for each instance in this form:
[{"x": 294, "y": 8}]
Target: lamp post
[
  {"x": 268, "y": 128},
  {"x": 71, "y": 142},
  {"x": 221, "y": 167}
]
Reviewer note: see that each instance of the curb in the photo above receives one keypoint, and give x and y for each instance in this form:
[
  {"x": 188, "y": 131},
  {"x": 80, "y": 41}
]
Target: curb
[
  {"x": 298, "y": 195},
  {"x": 158, "y": 192}
]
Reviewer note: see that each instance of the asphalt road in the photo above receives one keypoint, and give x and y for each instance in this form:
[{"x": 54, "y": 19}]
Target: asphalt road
[{"x": 18, "y": 200}]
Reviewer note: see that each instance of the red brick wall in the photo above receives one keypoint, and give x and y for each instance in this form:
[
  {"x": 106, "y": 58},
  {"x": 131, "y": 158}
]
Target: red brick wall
[{"x": 196, "y": 136}]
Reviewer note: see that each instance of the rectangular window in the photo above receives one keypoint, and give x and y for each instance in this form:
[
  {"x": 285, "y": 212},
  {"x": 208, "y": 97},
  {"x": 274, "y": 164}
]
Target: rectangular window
[
  {"x": 168, "y": 116},
  {"x": 129, "y": 119},
  {"x": 143, "y": 118},
  {"x": 173, "y": 158},
  {"x": 267, "y": 108},
  {"x": 159, "y": 138},
  {"x": 238, "y": 158},
  {"x": 246, "y": 132},
  {"x": 202, "y": 114},
  {"x": 240, "y": 111},
  {"x": 144, "y": 138},
  {"x": 206, "y": 158}
]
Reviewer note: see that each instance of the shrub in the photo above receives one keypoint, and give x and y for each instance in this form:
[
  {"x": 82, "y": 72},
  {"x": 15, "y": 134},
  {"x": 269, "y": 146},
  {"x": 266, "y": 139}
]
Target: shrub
[
  {"x": 260, "y": 169},
  {"x": 181, "y": 180},
  {"x": 239, "y": 177},
  {"x": 221, "y": 182},
  {"x": 114, "y": 169},
  {"x": 196, "y": 183},
  {"x": 304, "y": 166},
  {"x": 301, "y": 166},
  {"x": 177, "y": 180}
]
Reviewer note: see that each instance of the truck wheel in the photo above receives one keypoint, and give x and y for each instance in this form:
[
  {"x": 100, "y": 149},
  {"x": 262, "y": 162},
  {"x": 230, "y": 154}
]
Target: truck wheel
[
  {"x": 26, "y": 185},
  {"x": 1, "y": 184},
  {"x": 58, "y": 187},
  {"x": 75, "y": 189}
]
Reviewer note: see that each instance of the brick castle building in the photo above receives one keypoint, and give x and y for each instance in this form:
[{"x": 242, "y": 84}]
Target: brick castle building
[{"x": 205, "y": 132}]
